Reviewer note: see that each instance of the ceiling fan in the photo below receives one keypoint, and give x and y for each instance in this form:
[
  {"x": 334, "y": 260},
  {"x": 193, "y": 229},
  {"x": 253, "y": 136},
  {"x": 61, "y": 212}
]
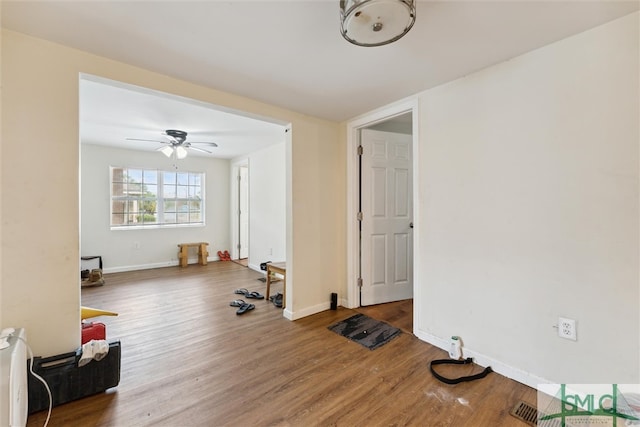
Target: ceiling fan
[{"x": 177, "y": 144}]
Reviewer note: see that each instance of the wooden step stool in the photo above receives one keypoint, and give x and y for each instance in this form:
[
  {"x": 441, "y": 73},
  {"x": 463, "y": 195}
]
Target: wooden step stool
[{"x": 183, "y": 255}]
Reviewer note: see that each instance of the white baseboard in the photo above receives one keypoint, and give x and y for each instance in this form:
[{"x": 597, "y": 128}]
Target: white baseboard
[
  {"x": 291, "y": 315},
  {"x": 308, "y": 311},
  {"x": 256, "y": 268},
  {"x": 172, "y": 263},
  {"x": 502, "y": 368}
]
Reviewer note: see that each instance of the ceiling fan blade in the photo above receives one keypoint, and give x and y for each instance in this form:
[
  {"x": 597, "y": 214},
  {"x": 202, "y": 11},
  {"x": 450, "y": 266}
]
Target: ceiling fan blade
[
  {"x": 147, "y": 140},
  {"x": 210, "y": 144},
  {"x": 199, "y": 149}
]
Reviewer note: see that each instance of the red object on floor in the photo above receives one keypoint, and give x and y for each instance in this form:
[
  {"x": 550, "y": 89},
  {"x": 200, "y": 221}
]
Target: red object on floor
[{"x": 93, "y": 331}]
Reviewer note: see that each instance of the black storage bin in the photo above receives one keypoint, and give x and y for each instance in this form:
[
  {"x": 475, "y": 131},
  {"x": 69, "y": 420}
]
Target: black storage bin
[{"x": 69, "y": 382}]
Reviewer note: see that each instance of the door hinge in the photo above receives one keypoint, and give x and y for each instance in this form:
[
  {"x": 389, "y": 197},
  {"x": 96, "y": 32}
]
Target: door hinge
[
  {"x": 359, "y": 282},
  {"x": 239, "y": 246},
  {"x": 359, "y": 216},
  {"x": 359, "y": 150}
]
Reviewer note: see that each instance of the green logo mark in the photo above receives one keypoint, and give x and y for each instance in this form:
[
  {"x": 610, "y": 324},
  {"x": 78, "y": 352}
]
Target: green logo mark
[{"x": 591, "y": 405}]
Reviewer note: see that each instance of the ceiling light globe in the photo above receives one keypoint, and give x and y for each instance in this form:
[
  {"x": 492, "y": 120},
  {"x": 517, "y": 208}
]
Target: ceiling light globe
[
  {"x": 181, "y": 152},
  {"x": 167, "y": 151}
]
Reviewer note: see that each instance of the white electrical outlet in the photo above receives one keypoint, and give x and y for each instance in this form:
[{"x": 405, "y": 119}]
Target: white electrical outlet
[{"x": 567, "y": 328}]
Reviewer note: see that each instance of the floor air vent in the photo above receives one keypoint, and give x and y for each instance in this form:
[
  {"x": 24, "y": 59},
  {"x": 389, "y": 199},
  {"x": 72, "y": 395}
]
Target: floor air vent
[
  {"x": 525, "y": 412},
  {"x": 528, "y": 413}
]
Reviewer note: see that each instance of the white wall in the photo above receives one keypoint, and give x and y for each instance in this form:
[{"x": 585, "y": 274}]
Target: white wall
[
  {"x": 267, "y": 204},
  {"x": 528, "y": 204},
  {"x": 123, "y": 250}
]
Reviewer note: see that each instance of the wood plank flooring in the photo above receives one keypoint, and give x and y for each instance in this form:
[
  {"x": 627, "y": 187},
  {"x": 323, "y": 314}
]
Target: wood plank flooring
[
  {"x": 189, "y": 360},
  {"x": 242, "y": 261},
  {"x": 398, "y": 314}
]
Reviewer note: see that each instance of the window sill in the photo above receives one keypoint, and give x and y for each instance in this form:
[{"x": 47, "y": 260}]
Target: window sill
[{"x": 156, "y": 226}]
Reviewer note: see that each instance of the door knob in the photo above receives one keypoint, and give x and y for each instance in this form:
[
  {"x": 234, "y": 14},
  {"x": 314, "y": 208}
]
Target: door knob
[{"x": 411, "y": 225}]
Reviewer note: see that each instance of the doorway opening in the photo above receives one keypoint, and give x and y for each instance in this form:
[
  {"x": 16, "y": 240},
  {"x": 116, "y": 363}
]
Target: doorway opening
[
  {"x": 382, "y": 186},
  {"x": 125, "y": 125},
  {"x": 240, "y": 245}
]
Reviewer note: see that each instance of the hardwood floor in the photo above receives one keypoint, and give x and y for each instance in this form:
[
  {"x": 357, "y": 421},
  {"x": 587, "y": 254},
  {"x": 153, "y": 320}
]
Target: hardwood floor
[
  {"x": 189, "y": 360},
  {"x": 242, "y": 261},
  {"x": 398, "y": 314}
]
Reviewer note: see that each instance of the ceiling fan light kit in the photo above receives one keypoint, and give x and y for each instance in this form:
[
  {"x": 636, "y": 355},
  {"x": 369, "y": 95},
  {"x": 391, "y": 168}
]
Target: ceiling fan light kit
[
  {"x": 371, "y": 23},
  {"x": 179, "y": 151},
  {"x": 177, "y": 145},
  {"x": 167, "y": 151}
]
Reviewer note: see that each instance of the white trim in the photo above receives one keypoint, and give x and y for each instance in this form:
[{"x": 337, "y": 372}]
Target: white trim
[
  {"x": 501, "y": 368},
  {"x": 156, "y": 226},
  {"x": 256, "y": 267},
  {"x": 235, "y": 168},
  {"x": 174, "y": 263},
  {"x": 353, "y": 139},
  {"x": 319, "y": 308},
  {"x": 308, "y": 311},
  {"x": 289, "y": 250},
  {"x": 140, "y": 267}
]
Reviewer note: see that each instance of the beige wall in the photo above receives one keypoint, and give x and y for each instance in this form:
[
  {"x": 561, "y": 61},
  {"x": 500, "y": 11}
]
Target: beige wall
[
  {"x": 40, "y": 235},
  {"x": 2, "y": 323},
  {"x": 528, "y": 196},
  {"x": 319, "y": 197}
]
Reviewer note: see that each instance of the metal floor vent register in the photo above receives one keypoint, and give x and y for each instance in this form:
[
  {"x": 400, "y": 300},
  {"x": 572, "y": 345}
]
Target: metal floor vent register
[
  {"x": 525, "y": 412},
  {"x": 528, "y": 413}
]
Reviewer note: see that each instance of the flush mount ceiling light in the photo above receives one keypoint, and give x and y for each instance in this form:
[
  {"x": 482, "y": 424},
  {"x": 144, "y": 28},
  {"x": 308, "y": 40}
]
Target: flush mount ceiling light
[{"x": 376, "y": 22}]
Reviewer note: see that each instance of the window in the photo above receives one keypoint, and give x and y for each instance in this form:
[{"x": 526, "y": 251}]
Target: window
[{"x": 149, "y": 197}]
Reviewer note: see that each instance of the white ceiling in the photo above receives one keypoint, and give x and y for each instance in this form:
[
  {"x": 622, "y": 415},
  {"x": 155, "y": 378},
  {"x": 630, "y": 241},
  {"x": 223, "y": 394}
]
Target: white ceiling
[
  {"x": 111, "y": 112},
  {"x": 290, "y": 53}
]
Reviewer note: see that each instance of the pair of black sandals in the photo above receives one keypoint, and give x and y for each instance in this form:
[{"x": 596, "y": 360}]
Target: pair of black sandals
[{"x": 242, "y": 305}]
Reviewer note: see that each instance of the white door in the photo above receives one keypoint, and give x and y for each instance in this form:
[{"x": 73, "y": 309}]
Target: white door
[
  {"x": 243, "y": 211},
  {"x": 386, "y": 254}
]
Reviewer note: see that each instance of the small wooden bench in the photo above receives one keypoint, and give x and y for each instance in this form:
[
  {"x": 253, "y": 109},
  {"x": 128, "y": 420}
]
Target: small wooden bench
[{"x": 183, "y": 255}]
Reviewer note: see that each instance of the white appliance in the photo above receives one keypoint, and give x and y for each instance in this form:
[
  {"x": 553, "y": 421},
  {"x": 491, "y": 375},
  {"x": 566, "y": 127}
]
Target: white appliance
[{"x": 13, "y": 379}]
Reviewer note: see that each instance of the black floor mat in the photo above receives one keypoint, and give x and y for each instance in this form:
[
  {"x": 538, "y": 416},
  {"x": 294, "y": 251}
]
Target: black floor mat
[{"x": 366, "y": 331}]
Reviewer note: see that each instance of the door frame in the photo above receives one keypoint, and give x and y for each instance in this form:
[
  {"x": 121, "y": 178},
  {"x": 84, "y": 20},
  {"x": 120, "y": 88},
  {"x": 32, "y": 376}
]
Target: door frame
[
  {"x": 245, "y": 214},
  {"x": 235, "y": 223},
  {"x": 353, "y": 140}
]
